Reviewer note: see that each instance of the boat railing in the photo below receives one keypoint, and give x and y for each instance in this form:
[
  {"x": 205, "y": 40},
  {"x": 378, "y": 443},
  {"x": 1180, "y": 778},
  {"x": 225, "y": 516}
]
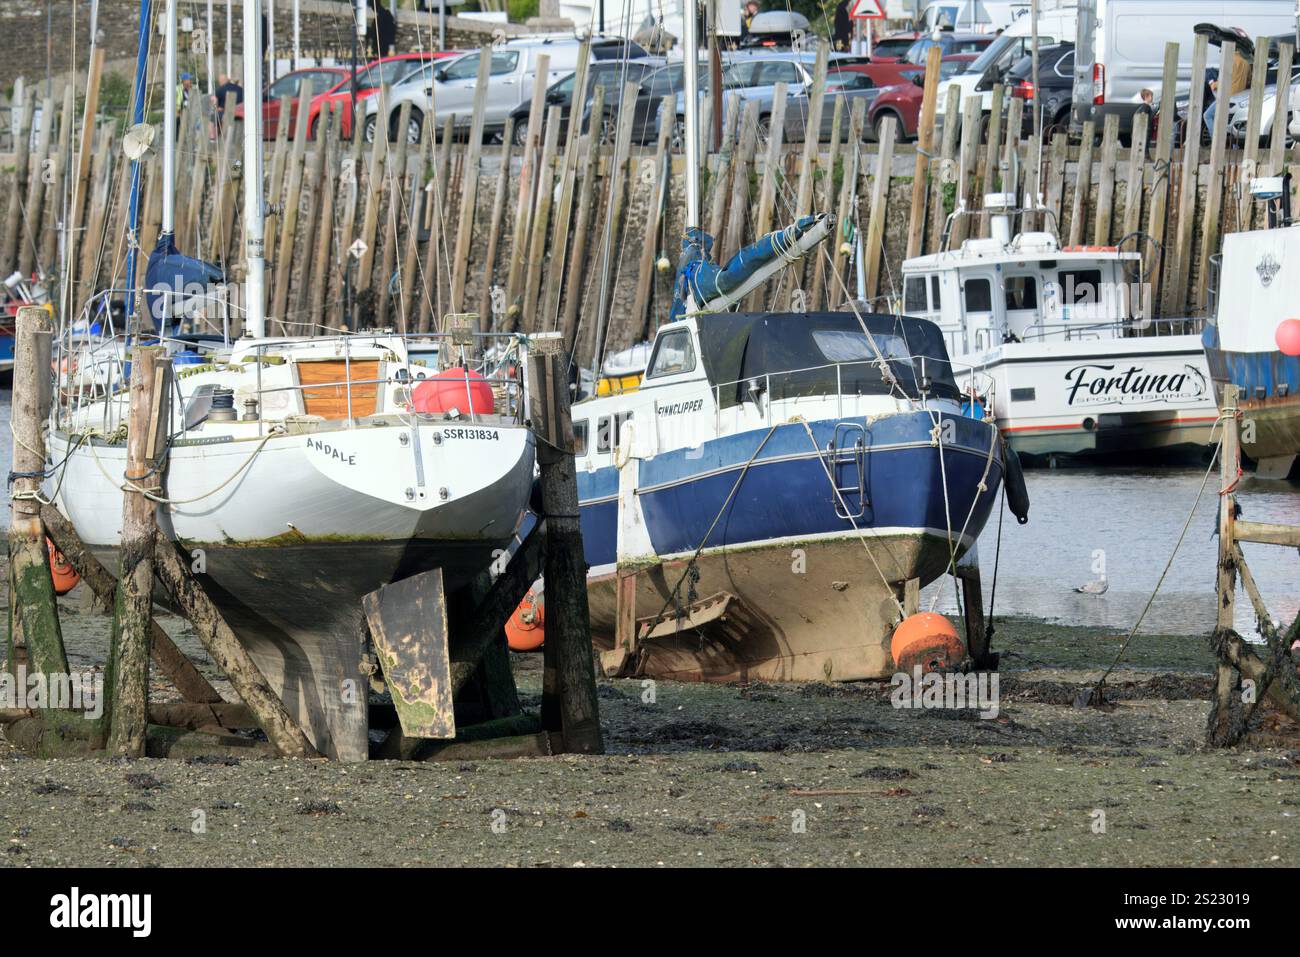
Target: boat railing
[
  {"x": 971, "y": 382},
  {"x": 1126, "y": 328},
  {"x": 94, "y": 368}
]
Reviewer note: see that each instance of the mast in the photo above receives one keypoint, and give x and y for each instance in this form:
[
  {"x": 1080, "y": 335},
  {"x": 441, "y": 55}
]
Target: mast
[
  {"x": 691, "y": 85},
  {"x": 1038, "y": 101},
  {"x": 254, "y": 228},
  {"x": 133, "y": 207},
  {"x": 169, "y": 123}
]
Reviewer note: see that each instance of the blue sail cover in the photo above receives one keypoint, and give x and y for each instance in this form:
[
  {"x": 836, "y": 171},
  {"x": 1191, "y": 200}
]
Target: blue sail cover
[
  {"x": 704, "y": 280},
  {"x": 172, "y": 282}
]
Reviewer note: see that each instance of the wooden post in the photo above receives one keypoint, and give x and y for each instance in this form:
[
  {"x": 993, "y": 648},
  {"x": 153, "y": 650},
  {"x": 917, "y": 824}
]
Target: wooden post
[
  {"x": 971, "y": 126},
  {"x": 719, "y": 183},
  {"x": 569, "y": 704},
  {"x": 374, "y": 182},
  {"x": 527, "y": 177},
  {"x": 180, "y": 671},
  {"x": 873, "y": 247},
  {"x": 1214, "y": 189},
  {"x": 639, "y": 326},
  {"x": 1082, "y": 200},
  {"x": 127, "y": 682},
  {"x": 771, "y": 181},
  {"x": 924, "y": 146},
  {"x": 290, "y": 201},
  {"x": 53, "y": 222},
  {"x": 230, "y": 655},
  {"x": 1136, "y": 168},
  {"x": 568, "y": 184},
  {"x": 310, "y": 301},
  {"x": 487, "y": 317},
  {"x": 738, "y": 207},
  {"x": 846, "y": 212},
  {"x": 573, "y": 283},
  {"x": 1176, "y": 287},
  {"x": 469, "y": 186},
  {"x": 992, "y": 153},
  {"x": 1254, "y": 120},
  {"x": 35, "y": 638},
  {"x": 1106, "y": 185},
  {"x": 81, "y": 182},
  {"x": 947, "y": 171},
  {"x": 31, "y": 213},
  {"x": 22, "y": 136},
  {"x": 1278, "y": 135},
  {"x": 1160, "y": 185},
  {"x": 1226, "y": 586},
  {"x": 541, "y": 221},
  {"x": 417, "y": 219},
  {"x": 395, "y": 180}
]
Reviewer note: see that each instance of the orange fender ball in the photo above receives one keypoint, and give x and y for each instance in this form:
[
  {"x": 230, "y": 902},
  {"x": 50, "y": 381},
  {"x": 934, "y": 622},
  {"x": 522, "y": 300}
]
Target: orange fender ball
[
  {"x": 928, "y": 640},
  {"x": 526, "y": 629},
  {"x": 65, "y": 576}
]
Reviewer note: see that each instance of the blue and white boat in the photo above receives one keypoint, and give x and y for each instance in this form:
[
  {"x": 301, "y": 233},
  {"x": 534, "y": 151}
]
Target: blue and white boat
[{"x": 1258, "y": 276}]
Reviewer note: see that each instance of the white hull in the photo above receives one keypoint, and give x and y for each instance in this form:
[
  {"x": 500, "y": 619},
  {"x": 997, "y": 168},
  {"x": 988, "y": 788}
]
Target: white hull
[{"x": 1100, "y": 397}]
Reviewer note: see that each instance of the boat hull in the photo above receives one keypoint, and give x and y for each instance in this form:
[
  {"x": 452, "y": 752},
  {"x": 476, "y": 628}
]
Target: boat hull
[
  {"x": 1269, "y": 397},
  {"x": 288, "y": 547},
  {"x": 1122, "y": 399},
  {"x": 810, "y": 593}
]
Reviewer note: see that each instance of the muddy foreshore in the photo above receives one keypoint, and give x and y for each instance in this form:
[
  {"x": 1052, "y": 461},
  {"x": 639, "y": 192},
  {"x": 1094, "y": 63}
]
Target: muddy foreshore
[{"x": 718, "y": 774}]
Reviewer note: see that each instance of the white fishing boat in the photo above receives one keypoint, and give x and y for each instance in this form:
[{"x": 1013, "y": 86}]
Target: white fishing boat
[
  {"x": 302, "y": 473},
  {"x": 1081, "y": 369},
  {"x": 1254, "y": 316},
  {"x": 758, "y": 505}
]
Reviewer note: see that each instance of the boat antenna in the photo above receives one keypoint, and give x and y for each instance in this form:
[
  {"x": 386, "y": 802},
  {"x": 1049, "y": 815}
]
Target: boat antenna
[
  {"x": 691, "y": 86},
  {"x": 254, "y": 211}
]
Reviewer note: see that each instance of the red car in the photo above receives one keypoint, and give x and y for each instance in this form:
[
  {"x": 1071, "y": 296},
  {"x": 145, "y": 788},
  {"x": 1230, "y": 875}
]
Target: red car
[
  {"x": 902, "y": 100},
  {"x": 333, "y": 85},
  {"x": 894, "y": 47}
]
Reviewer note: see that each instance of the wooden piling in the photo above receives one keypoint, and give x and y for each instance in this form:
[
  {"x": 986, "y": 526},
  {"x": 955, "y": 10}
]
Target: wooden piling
[
  {"x": 35, "y": 638},
  {"x": 569, "y": 705},
  {"x": 127, "y": 682},
  {"x": 1154, "y": 258},
  {"x": 873, "y": 247},
  {"x": 487, "y": 315},
  {"x": 1106, "y": 185},
  {"x": 1214, "y": 188},
  {"x": 1176, "y": 299},
  {"x": 924, "y": 146},
  {"x": 469, "y": 187},
  {"x": 573, "y": 283},
  {"x": 541, "y": 220}
]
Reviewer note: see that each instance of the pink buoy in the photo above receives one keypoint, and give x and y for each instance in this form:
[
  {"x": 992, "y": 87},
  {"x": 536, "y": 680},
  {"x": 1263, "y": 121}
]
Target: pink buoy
[{"x": 1288, "y": 337}]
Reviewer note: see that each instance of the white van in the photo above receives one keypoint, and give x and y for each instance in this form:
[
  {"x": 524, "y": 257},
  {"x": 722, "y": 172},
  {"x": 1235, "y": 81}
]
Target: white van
[
  {"x": 1129, "y": 44},
  {"x": 1130, "y": 39}
]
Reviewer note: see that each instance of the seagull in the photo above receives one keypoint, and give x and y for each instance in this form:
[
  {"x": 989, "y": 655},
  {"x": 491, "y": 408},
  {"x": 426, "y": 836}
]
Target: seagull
[{"x": 1097, "y": 587}]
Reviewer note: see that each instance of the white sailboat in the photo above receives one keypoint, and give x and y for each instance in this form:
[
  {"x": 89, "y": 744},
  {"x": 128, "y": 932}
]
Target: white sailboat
[{"x": 303, "y": 473}]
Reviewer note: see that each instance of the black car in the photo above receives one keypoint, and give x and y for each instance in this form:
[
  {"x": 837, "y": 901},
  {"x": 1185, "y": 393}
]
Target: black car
[
  {"x": 607, "y": 73},
  {"x": 1051, "y": 92}
]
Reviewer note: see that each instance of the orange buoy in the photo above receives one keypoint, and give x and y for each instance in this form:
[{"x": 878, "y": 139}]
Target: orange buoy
[
  {"x": 526, "y": 629},
  {"x": 65, "y": 576},
  {"x": 928, "y": 640},
  {"x": 456, "y": 388}
]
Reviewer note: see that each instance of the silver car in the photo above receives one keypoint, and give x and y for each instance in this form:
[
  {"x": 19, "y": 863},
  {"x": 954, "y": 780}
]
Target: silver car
[{"x": 447, "y": 88}]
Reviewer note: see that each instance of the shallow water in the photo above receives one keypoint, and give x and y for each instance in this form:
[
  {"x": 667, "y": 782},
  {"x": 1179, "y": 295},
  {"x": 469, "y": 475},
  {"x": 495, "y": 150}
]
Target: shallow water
[
  {"x": 1127, "y": 521},
  {"x": 1133, "y": 518}
]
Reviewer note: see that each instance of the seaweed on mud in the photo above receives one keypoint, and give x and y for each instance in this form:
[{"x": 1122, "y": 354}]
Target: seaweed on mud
[
  {"x": 739, "y": 766},
  {"x": 884, "y": 773},
  {"x": 318, "y": 808},
  {"x": 145, "y": 782}
]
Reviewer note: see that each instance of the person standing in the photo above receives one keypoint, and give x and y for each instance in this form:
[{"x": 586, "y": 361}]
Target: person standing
[
  {"x": 747, "y": 17},
  {"x": 383, "y": 35},
  {"x": 226, "y": 85},
  {"x": 843, "y": 26}
]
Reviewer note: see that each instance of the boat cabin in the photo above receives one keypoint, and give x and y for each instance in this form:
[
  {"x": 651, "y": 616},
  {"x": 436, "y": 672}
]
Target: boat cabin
[{"x": 1028, "y": 288}]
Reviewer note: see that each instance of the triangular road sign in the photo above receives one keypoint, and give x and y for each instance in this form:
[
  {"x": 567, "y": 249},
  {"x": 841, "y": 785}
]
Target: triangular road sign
[{"x": 867, "y": 10}]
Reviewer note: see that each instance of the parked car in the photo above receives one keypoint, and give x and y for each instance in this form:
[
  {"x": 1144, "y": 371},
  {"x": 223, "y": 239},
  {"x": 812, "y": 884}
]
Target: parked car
[
  {"x": 1052, "y": 90},
  {"x": 610, "y": 74},
  {"x": 893, "y": 47},
  {"x": 667, "y": 81},
  {"x": 775, "y": 30},
  {"x": 298, "y": 85},
  {"x": 902, "y": 101},
  {"x": 840, "y": 85},
  {"x": 447, "y": 89},
  {"x": 950, "y": 42}
]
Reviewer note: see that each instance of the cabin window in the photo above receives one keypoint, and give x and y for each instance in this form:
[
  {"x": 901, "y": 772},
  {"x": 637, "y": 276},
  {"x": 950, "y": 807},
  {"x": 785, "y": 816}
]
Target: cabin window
[
  {"x": 978, "y": 295},
  {"x": 934, "y": 293},
  {"x": 1023, "y": 395},
  {"x": 914, "y": 294},
  {"x": 850, "y": 345},
  {"x": 1080, "y": 287},
  {"x": 1021, "y": 292},
  {"x": 580, "y": 437},
  {"x": 603, "y": 435},
  {"x": 674, "y": 353}
]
